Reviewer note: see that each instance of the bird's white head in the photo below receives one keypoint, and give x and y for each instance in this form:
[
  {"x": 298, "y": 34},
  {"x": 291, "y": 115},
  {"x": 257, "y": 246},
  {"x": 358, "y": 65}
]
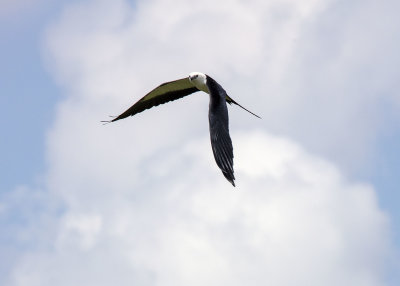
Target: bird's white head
[{"x": 199, "y": 79}]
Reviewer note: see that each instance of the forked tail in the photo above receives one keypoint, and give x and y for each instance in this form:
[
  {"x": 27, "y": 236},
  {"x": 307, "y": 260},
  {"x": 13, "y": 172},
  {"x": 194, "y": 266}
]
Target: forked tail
[{"x": 230, "y": 101}]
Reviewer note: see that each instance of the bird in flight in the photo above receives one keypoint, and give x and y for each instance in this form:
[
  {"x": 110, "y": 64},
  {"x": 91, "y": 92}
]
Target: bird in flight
[{"x": 221, "y": 142}]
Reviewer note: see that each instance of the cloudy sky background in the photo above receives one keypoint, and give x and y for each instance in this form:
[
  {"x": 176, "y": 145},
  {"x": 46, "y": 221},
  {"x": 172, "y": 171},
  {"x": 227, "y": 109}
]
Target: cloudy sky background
[{"x": 142, "y": 201}]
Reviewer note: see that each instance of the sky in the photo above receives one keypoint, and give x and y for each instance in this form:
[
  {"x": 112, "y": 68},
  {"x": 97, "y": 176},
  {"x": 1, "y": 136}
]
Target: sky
[{"x": 141, "y": 201}]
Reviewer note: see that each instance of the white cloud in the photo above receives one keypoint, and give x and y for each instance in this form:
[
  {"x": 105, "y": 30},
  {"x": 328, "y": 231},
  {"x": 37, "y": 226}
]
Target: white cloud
[
  {"x": 182, "y": 223},
  {"x": 144, "y": 201}
]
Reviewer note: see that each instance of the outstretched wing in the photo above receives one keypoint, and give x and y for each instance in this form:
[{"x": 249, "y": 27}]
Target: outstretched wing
[
  {"x": 221, "y": 142},
  {"x": 164, "y": 93}
]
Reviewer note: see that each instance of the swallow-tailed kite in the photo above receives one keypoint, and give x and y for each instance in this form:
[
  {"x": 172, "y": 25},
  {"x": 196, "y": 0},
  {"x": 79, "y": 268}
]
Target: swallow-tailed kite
[{"x": 221, "y": 142}]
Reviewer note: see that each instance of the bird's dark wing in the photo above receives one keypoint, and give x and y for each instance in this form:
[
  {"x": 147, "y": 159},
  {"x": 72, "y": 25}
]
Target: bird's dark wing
[
  {"x": 162, "y": 94},
  {"x": 230, "y": 101},
  {"x": 221, "y": 144}
]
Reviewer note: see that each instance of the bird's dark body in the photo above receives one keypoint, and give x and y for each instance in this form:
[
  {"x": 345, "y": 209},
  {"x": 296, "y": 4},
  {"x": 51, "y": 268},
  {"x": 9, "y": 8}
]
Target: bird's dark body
[{"x": 219, "y": 129}]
